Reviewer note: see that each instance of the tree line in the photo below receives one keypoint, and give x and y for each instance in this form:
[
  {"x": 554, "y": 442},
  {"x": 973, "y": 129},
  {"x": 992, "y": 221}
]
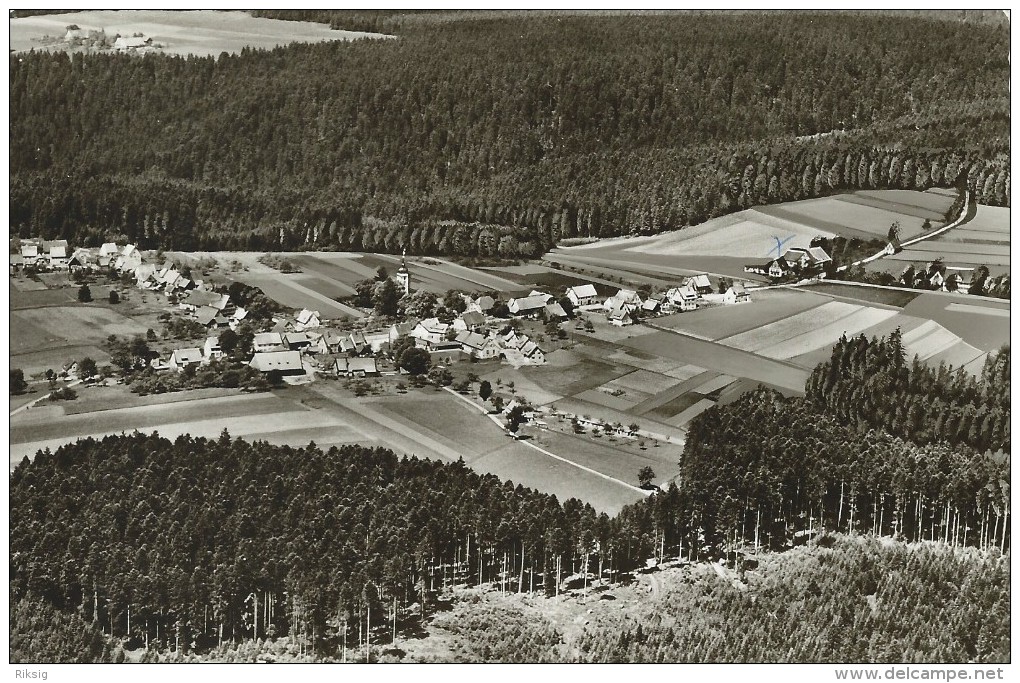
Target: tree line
[
  {"x": 462, "y": 138},
  {"x": 869, "y": 383}
]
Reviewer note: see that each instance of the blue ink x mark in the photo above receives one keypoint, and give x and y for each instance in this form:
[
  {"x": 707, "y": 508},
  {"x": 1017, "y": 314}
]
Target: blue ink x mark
[{"x": 779, "y": 244}]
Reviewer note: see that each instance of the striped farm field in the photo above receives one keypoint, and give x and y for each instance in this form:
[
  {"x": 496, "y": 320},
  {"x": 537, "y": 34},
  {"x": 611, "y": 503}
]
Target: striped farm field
[
  {"x": 928, "y": 339},
  {"x": 833, "y": 214},
  {"x": 958, "y": 355},
  {"x": 768, "y": 335},
  {"x": 824, "y": 336}
]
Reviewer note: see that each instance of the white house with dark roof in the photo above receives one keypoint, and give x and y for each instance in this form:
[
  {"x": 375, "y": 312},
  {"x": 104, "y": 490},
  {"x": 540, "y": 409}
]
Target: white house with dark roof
[
  {"x": 307, "y": 320},
  {"x": 58, "y": 256}
]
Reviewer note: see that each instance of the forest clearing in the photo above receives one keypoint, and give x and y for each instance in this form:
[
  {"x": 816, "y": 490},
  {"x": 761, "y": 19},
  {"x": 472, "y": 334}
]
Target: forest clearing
[{"x": 196, "y": 32}]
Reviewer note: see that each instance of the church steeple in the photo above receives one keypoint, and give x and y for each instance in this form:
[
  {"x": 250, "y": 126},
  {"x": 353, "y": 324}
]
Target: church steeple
[{"x": 403, "y": 274}]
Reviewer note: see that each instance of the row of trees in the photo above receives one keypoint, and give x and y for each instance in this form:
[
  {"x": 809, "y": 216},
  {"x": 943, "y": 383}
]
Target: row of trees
[
  {"x": 462, "y": 138},
  {"x": 869, "y": 383}
]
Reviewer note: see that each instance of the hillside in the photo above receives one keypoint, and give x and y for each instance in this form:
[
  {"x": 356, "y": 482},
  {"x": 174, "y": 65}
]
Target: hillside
[
  {"x": 501, "y": 136},
  {"x": 839, "y": 599}
]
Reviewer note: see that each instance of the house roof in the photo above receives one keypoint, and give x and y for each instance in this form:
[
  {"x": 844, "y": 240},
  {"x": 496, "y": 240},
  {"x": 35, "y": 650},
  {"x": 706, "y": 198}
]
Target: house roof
[
  {"x": 211, "y": 343},
  {"x": 627, "y": 296},
  {"x": 29, "y": 250},
  {"x": 618, "y": 312},
  {"x": 530, "y": 349},
  {"x": 650, "y": 304},
  {"x": 306, "y": 316},
  {"x": 554, "y": 309},
  {"x": 737, "y": 289},
  {"x": 699, "y": 281},
  {"x": 189, "y": 355},
  {"x": 528, "y": 303},
  {"x": 357, "y": 364},
  {"x": 473, "y": 318},
  {"x": 433, "y": 326},
  {"x": 17, "y": 259},
  {"x": 108, "y": 248},
  {"x": 203, "y": 297},
  {"x": 582, "y": 291},
  {"x": 358, "y": 337},
  {"x": 276, "y": 360},
  {"x": 296, "y": 338},
  {"x": 48, "y": 245},
  {"x": 268, "y": 339},
  {"x": 58, "y": 252},
  {"x": 472, "y": 339},
  {"x": 403, "y": 328},
  {"x": 206, "y": 314}
]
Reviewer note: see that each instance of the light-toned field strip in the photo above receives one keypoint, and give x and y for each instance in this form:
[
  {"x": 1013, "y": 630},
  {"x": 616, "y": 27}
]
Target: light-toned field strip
[
  {"x": 210, "y": 428},
  {"x": 786, "y": 328},
  {"x": 955, "y": 249},
  {"x": 979, "y": 310},
  {"x": 965, "y": 233},
  {"x": 928, "y": 340},
  {"x": 714, "y": 384},
  {"x": 950, "y": 258},
  {"x": 958, "y": 355},
  {"x": 826, "y": 335},
  {"x": 644, "y": 381},
  {"x": 687, "y": 415}
]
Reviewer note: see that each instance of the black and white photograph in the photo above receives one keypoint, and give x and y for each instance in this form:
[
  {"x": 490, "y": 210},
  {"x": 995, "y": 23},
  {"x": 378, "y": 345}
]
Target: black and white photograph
[{"x": 517, "y": 336}]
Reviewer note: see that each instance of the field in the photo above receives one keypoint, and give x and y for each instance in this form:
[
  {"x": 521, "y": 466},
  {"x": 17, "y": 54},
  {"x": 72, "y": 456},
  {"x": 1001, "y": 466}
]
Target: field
[
  {"x": 767, "y": 306},
  {"x": 49, "y": 328},
  {"x": 983, "y": 240},
  {"x": 202, "y": 32},
  {"x": 724, "y": 245}
]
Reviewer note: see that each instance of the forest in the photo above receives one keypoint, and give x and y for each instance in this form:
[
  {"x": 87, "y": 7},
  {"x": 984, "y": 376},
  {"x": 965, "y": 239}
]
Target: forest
[{"x": 501, "y": 136}]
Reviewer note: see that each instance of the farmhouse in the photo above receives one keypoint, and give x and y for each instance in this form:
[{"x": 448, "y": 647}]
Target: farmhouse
[
  {"x": 355, "y": 342},
  {"x": 128, "y": 43},
  {"x": 296, "y": 341},
  {"x": 512, "y": 340},
  {"x": 528, "y": 306},
  {"x": 284, "y": 362},
  {"x": 620, "y": 315},
  {"x": 182, "y": 358},
  {"x": 355, "y": 367},
  {"x": 399, "y": 330},
  {"x": 143, "y": 273},
  {"x": 306, "y": 320},
  {"x": 198, "y": 298},
  {"x": 16, "y": 263},
  {"x": 469, "y": 321},
  {"x": 700, "y": 283},
  {"x": 58, "y": 257},
  {"x": 685, "y": 298},
  {"x": 532, "y": 353},
  {"x": 736, "y": 294},
  {"x": 329, "y": 342},
  {"x": 109, "y": 249},
  {"x": 430, "y": 333},
  {"x": 554, "y": 311},
  {"x": 805, "y": 260},
  {"x": 267, "y": 342},
  {"x": 211, "y": 350},
  {"x": 30, "y": 252},
  {"x": 625, "y": 298},
  {"x": 129, "y": 259},
  {"x": 478, "y": 346},
  {"x": 651, "y": 305},
  {"x": 582, "y": 295},
  {"x": 210, "y": 317}
]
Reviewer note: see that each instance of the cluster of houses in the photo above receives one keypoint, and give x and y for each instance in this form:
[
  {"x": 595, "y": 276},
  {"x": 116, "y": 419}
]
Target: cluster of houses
[
  {"x": 934, "y": 276},
  {"x": 794, "y": 263},
  {"x": 621, "y": 307},
  {"x": 40, "y": 254}
]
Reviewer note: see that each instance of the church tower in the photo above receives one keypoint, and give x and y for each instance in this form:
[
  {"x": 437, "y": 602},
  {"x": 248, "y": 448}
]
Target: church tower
[{"x": 403, "y": 275}]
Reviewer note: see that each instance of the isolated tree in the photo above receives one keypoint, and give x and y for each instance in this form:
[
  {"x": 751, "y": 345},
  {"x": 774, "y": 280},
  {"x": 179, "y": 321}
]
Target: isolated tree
[
  {"x": 228, "y": 340},
  {"x": 415, "y": 361},
  {"x": 385, "y": 298},
  {"x": 381, "y": 275},
  {"x": 515, "y": 418},
  {"x": 645, "y": 476},
  {"x": 87, "y": 368},
  {"x": 18, "y": 383},
  {"x": 84, "y": 294},
  {"x": 150, "y": 335},
  {"x": 633, "y": 427},
  {"x": 485, "y": 390},
  {"x": 114, "y": 297},
  {"x": 497, "y": 402},
  {"x": 894, "y": 232},
  {"x": 926, "y": 225}
]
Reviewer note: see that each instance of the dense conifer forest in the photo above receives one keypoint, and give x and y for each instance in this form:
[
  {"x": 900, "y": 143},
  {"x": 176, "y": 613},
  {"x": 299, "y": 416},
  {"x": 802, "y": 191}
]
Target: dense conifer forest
[{"x": 501, "y": 136}]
